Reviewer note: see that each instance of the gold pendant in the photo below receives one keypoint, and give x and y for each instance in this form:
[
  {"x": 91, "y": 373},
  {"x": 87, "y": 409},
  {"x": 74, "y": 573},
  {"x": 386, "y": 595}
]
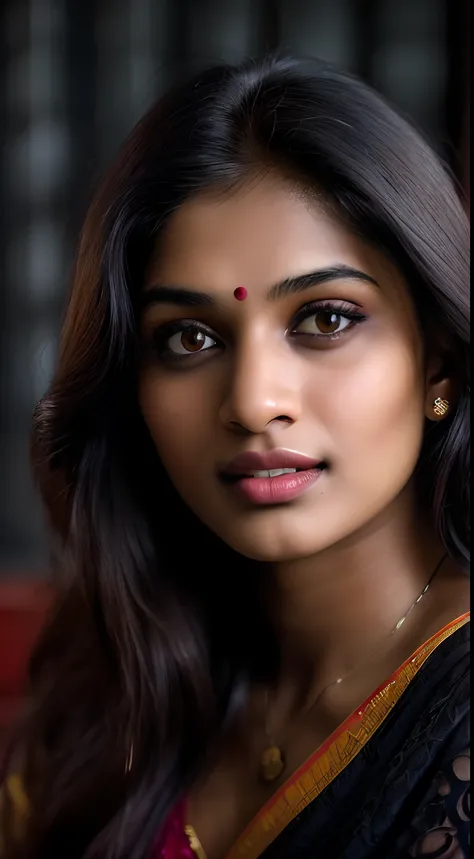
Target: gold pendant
[
  {"x": 194, "y": 842},
  {"x": 272, "y": 763}
]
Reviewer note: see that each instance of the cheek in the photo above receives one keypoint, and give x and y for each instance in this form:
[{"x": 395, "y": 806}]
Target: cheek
[
  {"x": 177, "y": 416},
  {"x": 373, "y": 409}
]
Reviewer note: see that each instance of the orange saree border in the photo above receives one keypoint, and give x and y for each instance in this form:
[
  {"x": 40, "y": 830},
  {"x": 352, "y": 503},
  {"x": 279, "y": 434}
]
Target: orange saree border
[{"x": 334, "y": 755}]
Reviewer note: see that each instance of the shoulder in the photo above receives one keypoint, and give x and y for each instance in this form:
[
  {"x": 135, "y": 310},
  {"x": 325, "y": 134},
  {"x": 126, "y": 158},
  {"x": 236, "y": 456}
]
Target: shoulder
[
  {"x": 441, "y": 695},
  {"x": 446, "y": 671}
]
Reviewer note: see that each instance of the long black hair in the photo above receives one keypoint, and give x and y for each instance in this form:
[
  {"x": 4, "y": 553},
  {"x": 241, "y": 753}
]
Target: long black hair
[{"x": 157, "y": 629}]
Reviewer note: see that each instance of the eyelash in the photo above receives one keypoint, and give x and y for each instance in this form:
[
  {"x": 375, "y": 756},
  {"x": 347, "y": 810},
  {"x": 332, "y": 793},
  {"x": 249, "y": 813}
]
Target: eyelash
[
  {"x": 341, "y": 308},
  {"x": 163, "y": 333}
]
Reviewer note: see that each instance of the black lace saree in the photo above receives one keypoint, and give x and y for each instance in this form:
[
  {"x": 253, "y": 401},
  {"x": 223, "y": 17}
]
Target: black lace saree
[{"x": 393, "y": 782}]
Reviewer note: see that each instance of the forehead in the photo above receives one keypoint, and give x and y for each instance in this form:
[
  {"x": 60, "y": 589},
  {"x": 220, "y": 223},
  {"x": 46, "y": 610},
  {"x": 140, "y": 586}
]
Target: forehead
[{"x": 260, "y": 230}]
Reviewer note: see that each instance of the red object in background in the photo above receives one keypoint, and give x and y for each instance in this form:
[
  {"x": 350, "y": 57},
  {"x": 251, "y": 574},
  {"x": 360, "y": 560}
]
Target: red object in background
[{"x": 23, "y": 608}]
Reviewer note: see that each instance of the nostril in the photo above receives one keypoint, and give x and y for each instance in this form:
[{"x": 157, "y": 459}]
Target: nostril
[{"x": 284, "y": 418}]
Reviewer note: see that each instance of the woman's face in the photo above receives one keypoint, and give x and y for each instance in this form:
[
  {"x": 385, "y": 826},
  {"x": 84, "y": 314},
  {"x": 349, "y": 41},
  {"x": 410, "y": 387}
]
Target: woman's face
[{"x": 320, "y": 367}]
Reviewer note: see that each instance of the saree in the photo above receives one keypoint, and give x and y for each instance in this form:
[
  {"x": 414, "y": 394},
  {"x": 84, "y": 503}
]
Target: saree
[{"x": 392, "y": 782}]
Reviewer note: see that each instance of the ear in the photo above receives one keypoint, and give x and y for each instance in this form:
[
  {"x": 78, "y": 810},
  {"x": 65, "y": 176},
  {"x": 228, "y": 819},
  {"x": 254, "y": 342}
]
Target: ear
[{"x": 440, "y": 388}]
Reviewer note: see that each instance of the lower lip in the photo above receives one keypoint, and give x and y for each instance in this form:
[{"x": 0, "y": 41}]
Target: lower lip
[{"x": 276, "y": 490}]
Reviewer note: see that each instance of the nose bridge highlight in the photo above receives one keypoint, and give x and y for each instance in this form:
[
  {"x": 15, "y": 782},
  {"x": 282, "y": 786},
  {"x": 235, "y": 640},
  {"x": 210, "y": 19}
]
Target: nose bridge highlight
[{"x": 260, "y": 388}]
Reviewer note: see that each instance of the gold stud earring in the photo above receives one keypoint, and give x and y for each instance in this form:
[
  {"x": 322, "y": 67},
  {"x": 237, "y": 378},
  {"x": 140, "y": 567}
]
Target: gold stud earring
[{"x": 440, "y": 407}]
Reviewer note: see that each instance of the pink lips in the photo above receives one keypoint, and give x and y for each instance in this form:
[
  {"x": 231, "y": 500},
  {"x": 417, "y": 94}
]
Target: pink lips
[{"x": 276, "y": 489}]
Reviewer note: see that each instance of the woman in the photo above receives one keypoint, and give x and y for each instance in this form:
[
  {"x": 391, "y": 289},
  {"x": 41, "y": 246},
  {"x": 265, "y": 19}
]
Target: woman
[{"x": 254, "y": 458}]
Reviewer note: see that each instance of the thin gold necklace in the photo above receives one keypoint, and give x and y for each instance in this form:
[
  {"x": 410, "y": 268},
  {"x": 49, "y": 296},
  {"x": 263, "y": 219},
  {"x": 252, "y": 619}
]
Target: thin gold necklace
[{"x": 272, "y": 761}]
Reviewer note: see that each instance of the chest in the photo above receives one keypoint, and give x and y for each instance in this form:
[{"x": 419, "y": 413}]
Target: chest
[
  {"x": 226, "y": 801},
  {"x": 223, "y": 805}
]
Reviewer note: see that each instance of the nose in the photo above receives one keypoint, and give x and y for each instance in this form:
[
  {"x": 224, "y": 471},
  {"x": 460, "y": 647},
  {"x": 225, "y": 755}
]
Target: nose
[{"x": 263, "y": 388}]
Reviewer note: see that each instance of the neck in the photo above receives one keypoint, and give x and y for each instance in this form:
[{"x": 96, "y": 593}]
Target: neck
[{"x": 334, "y": 606}]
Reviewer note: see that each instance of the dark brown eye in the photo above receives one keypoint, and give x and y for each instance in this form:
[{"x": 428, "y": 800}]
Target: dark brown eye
[
  {"x": 188, "y": 341},
  {"x": 192, "y": 341},
  {"x": 324, "y": 322},
  {"x": 327, "y": 322}
]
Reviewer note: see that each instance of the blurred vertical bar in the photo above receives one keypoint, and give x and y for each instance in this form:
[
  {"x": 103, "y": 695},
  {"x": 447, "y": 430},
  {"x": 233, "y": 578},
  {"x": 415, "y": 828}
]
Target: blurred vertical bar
[
  {"x": 80, "y": 72},
  {"x": 221, "y": 32},
  {"x": 131, "y": 35},
  {"x": 467, "y": 112},
  {"x": 321, "y": 28},
  {"x": 4, "y": 131},
  {"x": 409, "y": 61},
  {"x": 458, "y": 89},
  {"x": 366, "y": 31},
  {"x": 268, "y": 26},
  {"x": 36, "y": 169},
  {"x": 457, "y": 78}
]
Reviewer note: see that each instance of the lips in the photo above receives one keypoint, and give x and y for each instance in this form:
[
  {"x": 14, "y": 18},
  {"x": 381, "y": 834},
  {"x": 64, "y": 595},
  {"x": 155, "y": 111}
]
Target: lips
[
  {"x": 246, "y": 464},
  {"x": 277, "y": 477}
]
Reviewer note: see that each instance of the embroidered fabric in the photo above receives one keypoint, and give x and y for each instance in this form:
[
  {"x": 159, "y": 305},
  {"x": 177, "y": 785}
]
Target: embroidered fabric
[
  {"x": 444, "y": 822},
  {"x": 406, "y": 794}
]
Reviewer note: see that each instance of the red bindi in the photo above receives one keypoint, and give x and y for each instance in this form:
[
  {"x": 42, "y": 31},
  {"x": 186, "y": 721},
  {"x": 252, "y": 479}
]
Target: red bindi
[{"x": 240, "y": 293}]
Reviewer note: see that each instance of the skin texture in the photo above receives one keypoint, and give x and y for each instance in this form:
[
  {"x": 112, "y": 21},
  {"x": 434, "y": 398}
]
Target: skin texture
[
  {"x": 352, "y": 552},
  {"x": 358, "y": 402}
]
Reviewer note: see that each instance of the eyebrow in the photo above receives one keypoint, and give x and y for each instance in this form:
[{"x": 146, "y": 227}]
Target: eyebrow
[
  {"x": 290, "y": 286},
  {"x": 293, "y": 285},
  {"x": 175, "y": 295}
]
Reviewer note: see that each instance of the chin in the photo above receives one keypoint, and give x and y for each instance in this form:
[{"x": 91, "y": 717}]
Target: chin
[
  {"x": 259, "y": 544},
  {"x": 274, "y": 534},
  {"x": 267, "y": 555}
]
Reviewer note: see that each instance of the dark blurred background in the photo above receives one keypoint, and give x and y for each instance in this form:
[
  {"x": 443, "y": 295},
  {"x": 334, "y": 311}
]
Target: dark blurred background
[{"x": 74, "y": 78}]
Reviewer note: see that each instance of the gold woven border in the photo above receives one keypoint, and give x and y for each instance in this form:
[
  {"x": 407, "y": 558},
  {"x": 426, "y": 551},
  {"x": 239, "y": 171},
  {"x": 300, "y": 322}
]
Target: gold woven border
[{"x": 334, "y": 755}]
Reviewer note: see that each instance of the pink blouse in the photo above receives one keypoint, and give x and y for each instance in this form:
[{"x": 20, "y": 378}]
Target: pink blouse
[{"x": 173, "y": 842}]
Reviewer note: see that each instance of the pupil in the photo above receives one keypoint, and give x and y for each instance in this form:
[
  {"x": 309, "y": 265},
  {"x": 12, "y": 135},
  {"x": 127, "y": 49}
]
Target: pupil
[
  {"x": 192, "y": 340},
  {"x": 328, "y": 322}
]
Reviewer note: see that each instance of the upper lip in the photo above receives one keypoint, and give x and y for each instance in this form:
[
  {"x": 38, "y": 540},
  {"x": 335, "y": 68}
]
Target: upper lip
[{"x": 247, "y": 463}]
